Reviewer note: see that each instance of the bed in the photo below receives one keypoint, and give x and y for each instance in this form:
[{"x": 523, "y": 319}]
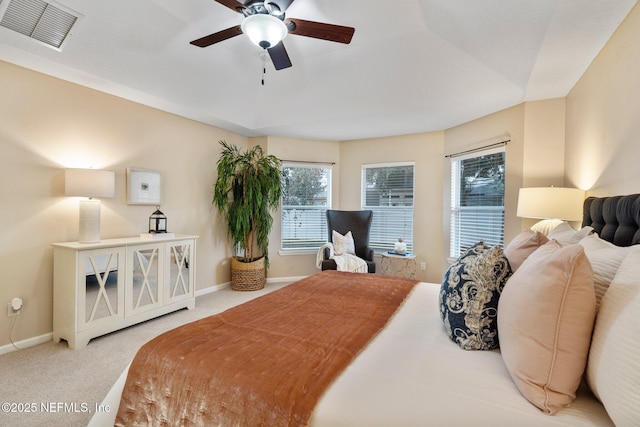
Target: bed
[{"x": 411, "y": 373}]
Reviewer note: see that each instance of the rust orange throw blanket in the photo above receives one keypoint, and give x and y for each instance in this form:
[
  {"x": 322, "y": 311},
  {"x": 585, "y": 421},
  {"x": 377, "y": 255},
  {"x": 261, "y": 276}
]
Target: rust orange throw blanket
[{"x": 263, "y": 363}]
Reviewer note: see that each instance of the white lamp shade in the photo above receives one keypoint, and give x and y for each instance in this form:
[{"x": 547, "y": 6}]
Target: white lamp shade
[
  {"x": 551, "y": 203},
  {"x": 89, "y": 183},
  {"x": 264, "y": 30}
]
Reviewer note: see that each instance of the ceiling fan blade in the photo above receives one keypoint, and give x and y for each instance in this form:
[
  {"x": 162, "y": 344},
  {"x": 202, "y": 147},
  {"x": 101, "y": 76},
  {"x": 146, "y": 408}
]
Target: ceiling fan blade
[
  {"x": 217, "y": 37},
  {"x": 234, "y": 5},
  {"x": 319, "y": 30},
  {"x": 279, "y": 56}
]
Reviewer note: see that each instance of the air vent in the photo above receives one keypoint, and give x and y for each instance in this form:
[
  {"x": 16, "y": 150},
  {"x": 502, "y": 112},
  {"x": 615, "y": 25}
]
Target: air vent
[{"x": 39, "y": 20}]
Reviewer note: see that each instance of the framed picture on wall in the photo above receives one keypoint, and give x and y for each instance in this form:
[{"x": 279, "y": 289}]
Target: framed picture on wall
[{"x": 144, "y": 187}]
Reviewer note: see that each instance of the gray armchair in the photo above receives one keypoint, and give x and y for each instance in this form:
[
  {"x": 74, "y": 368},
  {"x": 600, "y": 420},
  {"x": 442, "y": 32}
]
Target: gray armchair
[{"x": 359, "y": 223}]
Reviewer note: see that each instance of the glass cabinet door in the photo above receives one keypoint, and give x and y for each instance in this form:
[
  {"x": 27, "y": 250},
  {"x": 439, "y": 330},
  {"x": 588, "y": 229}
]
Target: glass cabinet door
[
  {"x": 101, "y": 293},
  {"x": 144, "y": 271},
  {"x": 180, "y": 274}
]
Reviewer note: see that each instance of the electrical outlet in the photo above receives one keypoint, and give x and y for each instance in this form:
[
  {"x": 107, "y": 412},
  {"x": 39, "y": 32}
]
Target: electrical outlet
[
  {"x": 423, "y": 266},
  {"x": 11, "y": 312}
]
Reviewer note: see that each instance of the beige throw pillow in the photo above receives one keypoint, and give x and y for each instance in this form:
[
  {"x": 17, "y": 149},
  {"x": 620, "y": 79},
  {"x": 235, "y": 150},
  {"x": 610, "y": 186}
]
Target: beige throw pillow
[
  {"x": 522, "y": 246},
  {"x": 613, "y": 371},
  {"x": 545, "y": 319},
  {"x": 343, "y": 244}
]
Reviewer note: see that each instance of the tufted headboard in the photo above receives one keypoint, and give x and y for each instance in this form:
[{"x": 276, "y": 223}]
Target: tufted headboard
[{"x": 615, "y": 219}]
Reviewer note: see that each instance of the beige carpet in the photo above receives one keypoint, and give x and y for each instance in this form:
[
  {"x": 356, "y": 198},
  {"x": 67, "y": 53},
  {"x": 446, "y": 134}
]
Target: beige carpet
[{"x": 52, "y": 385}]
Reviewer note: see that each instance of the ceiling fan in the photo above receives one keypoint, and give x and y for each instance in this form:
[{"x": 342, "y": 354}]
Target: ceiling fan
[{"x": 265, "y": 24}]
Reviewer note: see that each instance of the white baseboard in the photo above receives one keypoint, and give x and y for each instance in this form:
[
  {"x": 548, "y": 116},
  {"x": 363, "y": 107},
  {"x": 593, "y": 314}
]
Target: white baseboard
[
  {"x": 216, "y": 288},
  {"x": 285, "y": 279},
  {"x": 210, "y": 289},
  {"x": 29, "y": 342}
]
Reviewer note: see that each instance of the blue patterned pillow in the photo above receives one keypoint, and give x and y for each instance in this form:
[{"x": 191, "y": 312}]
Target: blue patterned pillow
[{"x": 469, "y": 297}]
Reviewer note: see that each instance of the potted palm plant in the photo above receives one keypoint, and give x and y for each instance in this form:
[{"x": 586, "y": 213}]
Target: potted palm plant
[{"x": 248, "y": 188}]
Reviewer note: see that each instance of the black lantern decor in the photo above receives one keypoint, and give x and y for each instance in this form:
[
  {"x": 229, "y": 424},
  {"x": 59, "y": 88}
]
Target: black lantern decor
[{"x": 157, "y": 222}]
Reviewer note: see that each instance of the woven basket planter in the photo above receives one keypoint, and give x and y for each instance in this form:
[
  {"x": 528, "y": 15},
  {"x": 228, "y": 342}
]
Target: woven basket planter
[{"x": 247, "y": 276}]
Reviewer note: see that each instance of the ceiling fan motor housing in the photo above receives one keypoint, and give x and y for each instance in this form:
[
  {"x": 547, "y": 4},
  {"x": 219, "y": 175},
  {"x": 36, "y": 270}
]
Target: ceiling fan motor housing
[{"x": 263, "y": 8}]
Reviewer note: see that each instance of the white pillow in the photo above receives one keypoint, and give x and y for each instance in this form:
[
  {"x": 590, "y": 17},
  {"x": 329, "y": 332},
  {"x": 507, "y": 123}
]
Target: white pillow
[
  {"x": 561, "y": 228},
  {"x": 613, "y": 369},
  {"x": 545, "y": 226},
  {"x": 605, "y": 258},
  {"x": 343, "y": 244},
  {"x": 593, "y": 242},
  {"x": 566, "y": 235}
]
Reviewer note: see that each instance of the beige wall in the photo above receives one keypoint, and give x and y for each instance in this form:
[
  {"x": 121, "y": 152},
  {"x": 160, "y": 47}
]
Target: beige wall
[
  {"x": 426, "y": 150},
  {"x": 543, "y": 150},
  {"x": 47, "y": 125},
  {"x": 603, "y": 118}
]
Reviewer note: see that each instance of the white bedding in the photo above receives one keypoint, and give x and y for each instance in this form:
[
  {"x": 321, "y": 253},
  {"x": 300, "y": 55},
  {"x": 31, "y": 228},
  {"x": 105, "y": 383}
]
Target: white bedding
[{"x": 411, "y": 374}]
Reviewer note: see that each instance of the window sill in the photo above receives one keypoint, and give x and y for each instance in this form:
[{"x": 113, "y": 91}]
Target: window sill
[{"x": 289, "y": 252}]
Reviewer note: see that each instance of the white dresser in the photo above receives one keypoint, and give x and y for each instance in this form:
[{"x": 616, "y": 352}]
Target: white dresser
[{"x": 102, "y": 287}]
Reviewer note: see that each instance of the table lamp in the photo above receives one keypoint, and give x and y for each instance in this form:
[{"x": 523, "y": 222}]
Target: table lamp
[
  {"x": 551, "y": 204},
  {"x": 89, "y": 183}
]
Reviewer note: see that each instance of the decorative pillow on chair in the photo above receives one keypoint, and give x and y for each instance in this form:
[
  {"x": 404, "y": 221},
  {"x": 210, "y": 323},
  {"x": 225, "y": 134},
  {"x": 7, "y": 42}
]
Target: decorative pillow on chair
[
  {"x": 613, "y": 370},
  {"x": 343, "y": 244},
  {"x": 469, "y": 297},
  {"x": 523, "y": 245},
  {"x": 545, "y": 319}
]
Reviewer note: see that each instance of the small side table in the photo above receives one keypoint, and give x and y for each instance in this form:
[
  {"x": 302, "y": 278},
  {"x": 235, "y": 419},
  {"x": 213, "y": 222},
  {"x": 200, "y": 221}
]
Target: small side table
[{"x": 398, "y": 265}]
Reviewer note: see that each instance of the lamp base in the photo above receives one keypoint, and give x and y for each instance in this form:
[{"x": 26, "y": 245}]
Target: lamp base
[{"x": 89, "y": 221}]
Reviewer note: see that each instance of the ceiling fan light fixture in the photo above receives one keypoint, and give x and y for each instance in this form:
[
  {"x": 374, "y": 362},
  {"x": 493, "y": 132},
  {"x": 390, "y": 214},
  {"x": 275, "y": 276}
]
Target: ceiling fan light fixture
[{"x": 264, "y": 30}]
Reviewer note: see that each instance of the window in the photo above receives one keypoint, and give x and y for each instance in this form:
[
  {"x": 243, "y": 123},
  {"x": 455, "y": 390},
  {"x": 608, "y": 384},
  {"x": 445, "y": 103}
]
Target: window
[
  {"x": 387, "y": 190},
  {"x": 477, "y": 200},
  {"x": 306, "y": 196}
]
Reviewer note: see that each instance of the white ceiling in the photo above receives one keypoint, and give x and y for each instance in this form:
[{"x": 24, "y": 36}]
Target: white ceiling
[{"x": 412, "y": 66}]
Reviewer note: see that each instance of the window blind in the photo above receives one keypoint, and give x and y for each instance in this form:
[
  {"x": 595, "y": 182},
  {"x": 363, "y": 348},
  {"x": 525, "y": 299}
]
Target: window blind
[
  {"x": 477, "y": 200},
  {"x": 306, "y": 196},
  {"x": 387, "y": 190}
]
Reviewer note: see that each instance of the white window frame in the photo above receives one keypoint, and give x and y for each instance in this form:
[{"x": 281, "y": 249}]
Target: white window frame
[
  {"x": 461, "y": 238},
  {"x": 320, "y": 232},
  {"x": 384, "y": 233}
]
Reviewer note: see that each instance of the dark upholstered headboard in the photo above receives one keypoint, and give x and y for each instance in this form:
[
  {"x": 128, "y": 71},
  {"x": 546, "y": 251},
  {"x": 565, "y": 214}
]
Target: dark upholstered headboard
[{"x": 615, "y": 219}]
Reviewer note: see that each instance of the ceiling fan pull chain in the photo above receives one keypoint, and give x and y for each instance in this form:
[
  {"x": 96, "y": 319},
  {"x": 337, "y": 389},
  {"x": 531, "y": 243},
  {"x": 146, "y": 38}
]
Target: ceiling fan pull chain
[{"x": 264, "y": 67}]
